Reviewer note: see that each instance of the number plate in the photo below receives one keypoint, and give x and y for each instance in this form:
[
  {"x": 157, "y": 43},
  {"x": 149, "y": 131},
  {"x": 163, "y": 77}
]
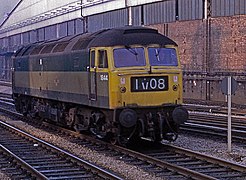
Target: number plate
[{"x": 154, "y": 83}]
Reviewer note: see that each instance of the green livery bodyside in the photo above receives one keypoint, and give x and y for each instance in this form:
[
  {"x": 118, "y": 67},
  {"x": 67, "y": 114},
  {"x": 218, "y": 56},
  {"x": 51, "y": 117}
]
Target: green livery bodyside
[{"x": 61, "y": 77}]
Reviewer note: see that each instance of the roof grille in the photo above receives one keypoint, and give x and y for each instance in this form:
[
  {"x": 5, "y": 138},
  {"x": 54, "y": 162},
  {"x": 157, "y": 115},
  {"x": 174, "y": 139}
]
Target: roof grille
[{"x": 130, "y": 31}]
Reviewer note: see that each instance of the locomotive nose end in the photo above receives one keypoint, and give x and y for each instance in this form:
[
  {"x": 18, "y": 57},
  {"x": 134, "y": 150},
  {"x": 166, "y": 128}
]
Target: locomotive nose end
[{"x": 180, "y": 115}]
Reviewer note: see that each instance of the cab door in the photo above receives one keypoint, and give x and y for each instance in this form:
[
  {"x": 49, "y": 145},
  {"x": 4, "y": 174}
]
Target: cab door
[
  {"x": 102, "y": 78},
  {"x": 92, "y": 76},
  {"x": 99, "y": 77}
]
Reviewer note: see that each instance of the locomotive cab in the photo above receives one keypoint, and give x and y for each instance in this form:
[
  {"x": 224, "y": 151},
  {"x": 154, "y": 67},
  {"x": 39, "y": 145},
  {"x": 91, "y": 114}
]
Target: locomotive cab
[
  {"x": 146, "y": 91},
  {"x": 143, "y": 86}
]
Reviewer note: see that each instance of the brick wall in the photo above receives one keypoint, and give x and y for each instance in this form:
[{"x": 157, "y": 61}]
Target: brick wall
[
  {"x": 227, "y": 44},
  {"x": 210, "y": 50}
]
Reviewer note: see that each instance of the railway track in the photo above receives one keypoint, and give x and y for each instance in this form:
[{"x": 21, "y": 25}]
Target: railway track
[
  {"x": 237, "y": 110},
  {"x": 6, "y": 83},
  {"x": 213, "y": 167},
  {"x": 215, "y": 124},
  {"x": 6, "y": 97},
  {"x": 45, "y": 161},
  {"x": 148, "y": 164},
  {"x": 10, "y": 165},
  {"x": 169, "y": 163}
]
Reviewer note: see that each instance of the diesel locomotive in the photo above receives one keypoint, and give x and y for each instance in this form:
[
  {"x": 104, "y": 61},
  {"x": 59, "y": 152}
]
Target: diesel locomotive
[{"x": 120, "y": 84}]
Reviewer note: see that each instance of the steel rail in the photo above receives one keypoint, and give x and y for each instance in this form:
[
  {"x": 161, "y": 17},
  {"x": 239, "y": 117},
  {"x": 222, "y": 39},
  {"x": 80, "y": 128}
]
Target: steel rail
[
  {"x": 214, "y": 160},
  {"x": 24, "y": 165},
  {"x": 93, "y": 168},
  {"x": 186, "y": 172}
]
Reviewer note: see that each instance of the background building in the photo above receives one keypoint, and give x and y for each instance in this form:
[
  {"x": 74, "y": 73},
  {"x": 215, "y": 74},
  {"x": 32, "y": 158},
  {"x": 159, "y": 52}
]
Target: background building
[
  {"x": 211, "y": 34},
  {"x": 6, "y": 8}
]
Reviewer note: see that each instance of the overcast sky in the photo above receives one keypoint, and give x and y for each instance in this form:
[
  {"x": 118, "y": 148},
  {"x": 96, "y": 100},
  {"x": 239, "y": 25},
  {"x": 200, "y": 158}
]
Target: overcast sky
[{"x": 5, "y": 7}]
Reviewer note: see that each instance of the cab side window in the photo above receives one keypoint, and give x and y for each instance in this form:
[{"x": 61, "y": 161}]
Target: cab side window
[
  {"x": 92, "y": 63},
  {"x": 103, "y": 59}
]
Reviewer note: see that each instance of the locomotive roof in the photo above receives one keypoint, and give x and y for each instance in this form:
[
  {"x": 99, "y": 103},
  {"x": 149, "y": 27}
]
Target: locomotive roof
[{"x": 129, "y": 35}]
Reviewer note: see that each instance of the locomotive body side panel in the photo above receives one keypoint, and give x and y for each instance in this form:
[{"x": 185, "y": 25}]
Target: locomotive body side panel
[{"x": 59, "y": 78}]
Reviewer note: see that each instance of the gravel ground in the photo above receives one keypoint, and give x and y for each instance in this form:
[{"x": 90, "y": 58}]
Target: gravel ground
[
  {"x": 3, "y": 176},
  {"x": 209, "y": 146}
]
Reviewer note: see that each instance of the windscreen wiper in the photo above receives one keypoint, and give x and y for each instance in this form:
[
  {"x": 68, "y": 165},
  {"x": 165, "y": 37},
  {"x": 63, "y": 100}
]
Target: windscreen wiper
[
  {"x": 157, "y": 52},
  {"x": 131, "y": 50}
]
